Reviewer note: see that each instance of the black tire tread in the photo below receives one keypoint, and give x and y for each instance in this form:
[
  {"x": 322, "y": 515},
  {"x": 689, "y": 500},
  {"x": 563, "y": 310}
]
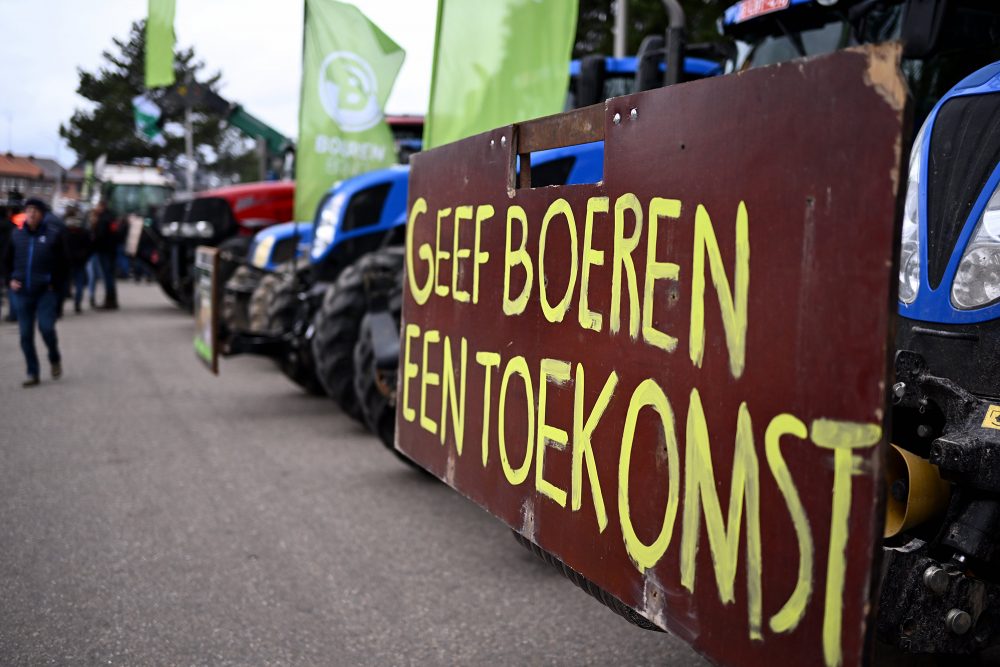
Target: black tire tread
[
  {"x": 378, "y": 410},
  {"x": 336, "y": 325},
  {"x": 280, "y": 311},
  {"x": 232, "y": 317}
]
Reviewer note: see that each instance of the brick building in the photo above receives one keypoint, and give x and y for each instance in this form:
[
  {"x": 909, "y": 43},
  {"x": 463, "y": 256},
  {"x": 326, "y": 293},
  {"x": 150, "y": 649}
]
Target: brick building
[{"x": 37, "y": 177}]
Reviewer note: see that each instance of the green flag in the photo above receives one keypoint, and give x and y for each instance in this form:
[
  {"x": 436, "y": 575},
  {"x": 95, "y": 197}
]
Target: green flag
[
  {"x": 497, "y": 63},
  {"x": 348, "y": 68},
  {"x": 147, "y": 117},
  {"x": 160, "y": 44}
]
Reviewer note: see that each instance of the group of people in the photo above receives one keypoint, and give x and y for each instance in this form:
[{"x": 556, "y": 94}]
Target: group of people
[{"x": 45, "y": 260}]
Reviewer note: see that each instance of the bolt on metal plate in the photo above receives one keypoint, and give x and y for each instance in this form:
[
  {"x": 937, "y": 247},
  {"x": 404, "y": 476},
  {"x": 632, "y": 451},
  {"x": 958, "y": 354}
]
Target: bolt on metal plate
[{"x": 959, "y": 621}]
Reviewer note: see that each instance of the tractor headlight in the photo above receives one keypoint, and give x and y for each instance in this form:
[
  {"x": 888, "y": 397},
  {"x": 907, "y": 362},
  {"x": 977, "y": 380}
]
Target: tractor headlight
[
  {"x": 261, "y": 252},
  {"x": 909, "y": 248},
  {"x": 977, "y": 282},
  {"x": 172, "y": 228},
  {"x": 190, "y": 230},
  {"x": 204, "y": 229},
  {"x": 327, "y": 226}
]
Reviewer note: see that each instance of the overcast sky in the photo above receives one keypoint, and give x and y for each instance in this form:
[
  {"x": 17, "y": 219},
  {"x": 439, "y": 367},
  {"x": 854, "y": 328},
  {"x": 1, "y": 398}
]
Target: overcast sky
[{"x": 256, "y": 44}]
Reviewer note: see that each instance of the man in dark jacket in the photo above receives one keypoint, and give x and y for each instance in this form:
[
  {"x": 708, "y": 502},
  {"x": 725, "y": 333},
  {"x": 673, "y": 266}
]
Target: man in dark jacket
[
  {"x": 35, "y": 266},
  {"x": 106, "y": 238},
  {"x": 78, "y": 243}
]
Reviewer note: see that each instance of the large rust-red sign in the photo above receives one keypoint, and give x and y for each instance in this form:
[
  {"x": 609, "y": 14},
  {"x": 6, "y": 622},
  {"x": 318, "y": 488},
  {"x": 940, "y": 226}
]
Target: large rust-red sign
[{"x": 673, "y": 379}]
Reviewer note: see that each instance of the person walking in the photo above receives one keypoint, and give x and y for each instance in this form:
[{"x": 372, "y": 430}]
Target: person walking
[
  {"x": 105, "y": 232},
  {"x": 94, "y": 275},
  {"x": 53, "y": 221},
  {"x": 78, "y": 244},
  {"x": 6, "y": 229},
  {"x": 35, "y": 266}
]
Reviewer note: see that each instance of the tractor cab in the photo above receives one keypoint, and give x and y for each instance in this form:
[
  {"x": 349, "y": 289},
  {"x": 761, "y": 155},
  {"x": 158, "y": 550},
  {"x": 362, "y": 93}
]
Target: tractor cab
[{"x": 943, "y": 41}]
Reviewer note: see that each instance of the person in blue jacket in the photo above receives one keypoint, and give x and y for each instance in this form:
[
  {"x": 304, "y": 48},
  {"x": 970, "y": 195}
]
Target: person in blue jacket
[{"x": 35, "y": 266}]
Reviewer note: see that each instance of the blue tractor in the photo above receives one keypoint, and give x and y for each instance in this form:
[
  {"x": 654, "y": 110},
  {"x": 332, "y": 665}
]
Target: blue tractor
[{"x": 271, "y": 252}]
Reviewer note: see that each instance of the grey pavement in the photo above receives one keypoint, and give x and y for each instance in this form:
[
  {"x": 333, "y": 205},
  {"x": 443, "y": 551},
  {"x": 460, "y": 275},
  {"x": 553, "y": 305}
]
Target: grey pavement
[{"x": 152, "y": 514}]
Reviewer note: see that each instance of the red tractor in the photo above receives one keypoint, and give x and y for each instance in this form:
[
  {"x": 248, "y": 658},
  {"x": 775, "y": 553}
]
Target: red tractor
[{"x": 225, "y": 217}]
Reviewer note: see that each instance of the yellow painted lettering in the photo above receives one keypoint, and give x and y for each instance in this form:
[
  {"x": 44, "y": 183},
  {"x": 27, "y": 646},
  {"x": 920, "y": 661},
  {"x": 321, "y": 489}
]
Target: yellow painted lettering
[
  {"x": 452, "y": 397},
  {"x": 645, "y": 556},
  {"x": 624, "y": 246},
  {"x": 591, "y": 257},
  {"x": 461, "y": 213},
  {"x": 441, "y": 289},
  {"x": 427, "y": 378},
  {"x": 420, "y": 294},
  {"x": 655, "y": 270},
  {"x": 479, "y": 257},
  {"x": 410, "y": 371},
  {"x": 514, "y": 257},
  {"x": 583, "y": 449},
  {"x": 842, "y": 437},
  {"x": 558, "y": 312},
  {"x": 516, "y": 366},
  {"x": 732, "y": 304},
  {"x": 701, "y": 497},
  {"x": 560, "y": 372},
  {"x": 489, "y": 361},
  {"x": 791, "y": 613}
]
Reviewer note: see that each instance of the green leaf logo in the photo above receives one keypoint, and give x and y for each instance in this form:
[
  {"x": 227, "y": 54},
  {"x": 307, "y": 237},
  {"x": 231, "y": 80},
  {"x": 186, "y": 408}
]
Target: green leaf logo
[{"x": 348, "y": 91}]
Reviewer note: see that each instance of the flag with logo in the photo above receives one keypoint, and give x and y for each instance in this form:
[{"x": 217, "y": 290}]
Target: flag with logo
[
  {"x": 147, "y": 117},
  {"x": 497, "y": 63},
  {"x": 348, "y": 68},
  {"x": 160, "y": 44}
]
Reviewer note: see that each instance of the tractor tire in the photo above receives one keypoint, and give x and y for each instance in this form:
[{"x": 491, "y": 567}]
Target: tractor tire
[
  {"x": 235, "y": 310},
  {"x": 163, "y": 278},
  {"x": 336, "y": 328},
  {"x": 375, "y": 390},
  {"x": 232, "y": 253},
  {"x": 257, "y": 313},
  {"x": 279, "y": 309},
  {"x": 297, "y": 363}
]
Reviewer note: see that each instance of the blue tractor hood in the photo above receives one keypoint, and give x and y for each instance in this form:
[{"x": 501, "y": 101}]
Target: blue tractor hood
[
  {"x": 951, "y": 256},
  {"x": 278, "y": 244}
]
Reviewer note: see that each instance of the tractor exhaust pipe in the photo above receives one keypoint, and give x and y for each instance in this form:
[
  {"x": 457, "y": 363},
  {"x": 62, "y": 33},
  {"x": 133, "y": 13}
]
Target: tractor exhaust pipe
[{"x": 674, "y": 54}]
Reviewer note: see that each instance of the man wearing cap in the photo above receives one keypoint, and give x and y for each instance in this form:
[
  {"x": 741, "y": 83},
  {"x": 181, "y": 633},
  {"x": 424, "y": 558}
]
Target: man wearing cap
[{"x": 35, "y": 267}]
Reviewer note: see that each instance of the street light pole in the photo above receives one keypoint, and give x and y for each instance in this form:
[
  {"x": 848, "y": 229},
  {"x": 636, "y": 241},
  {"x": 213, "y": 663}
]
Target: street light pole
[{"x": 189, "y": 146}]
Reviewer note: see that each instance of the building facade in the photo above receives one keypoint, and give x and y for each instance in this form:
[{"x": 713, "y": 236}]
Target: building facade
[{"x": 24, "y": 176}]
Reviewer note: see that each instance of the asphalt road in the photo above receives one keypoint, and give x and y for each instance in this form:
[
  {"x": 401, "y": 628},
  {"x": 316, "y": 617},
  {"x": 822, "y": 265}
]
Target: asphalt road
[{"x": 151, "y": 514}]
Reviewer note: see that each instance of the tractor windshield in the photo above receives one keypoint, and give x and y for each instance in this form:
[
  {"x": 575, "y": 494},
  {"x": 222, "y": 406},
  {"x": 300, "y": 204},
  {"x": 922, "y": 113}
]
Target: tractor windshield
[
  {"x": 773, "y": 49},
  {"x": 969, "y": 39},
  {"x": 141, "y": 199}
]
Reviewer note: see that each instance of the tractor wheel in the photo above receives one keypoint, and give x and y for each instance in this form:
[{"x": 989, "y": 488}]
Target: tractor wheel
[
  {"x": 336, "y": 328},
  {"x": 375, "y": 390},
  {"x": 235, "y": 315},
  {"x": 281, "y": 310},
  {"x": 163, "y": 278},
  {"x": 232, "y": 252},
  {"x": 260, "y": 300}
]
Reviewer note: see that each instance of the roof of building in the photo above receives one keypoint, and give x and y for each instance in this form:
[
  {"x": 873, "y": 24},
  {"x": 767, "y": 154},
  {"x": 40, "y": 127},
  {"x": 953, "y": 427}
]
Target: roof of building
[
  {"x": 19, "y": 167},
  {"x": 51, "y": 168}
]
